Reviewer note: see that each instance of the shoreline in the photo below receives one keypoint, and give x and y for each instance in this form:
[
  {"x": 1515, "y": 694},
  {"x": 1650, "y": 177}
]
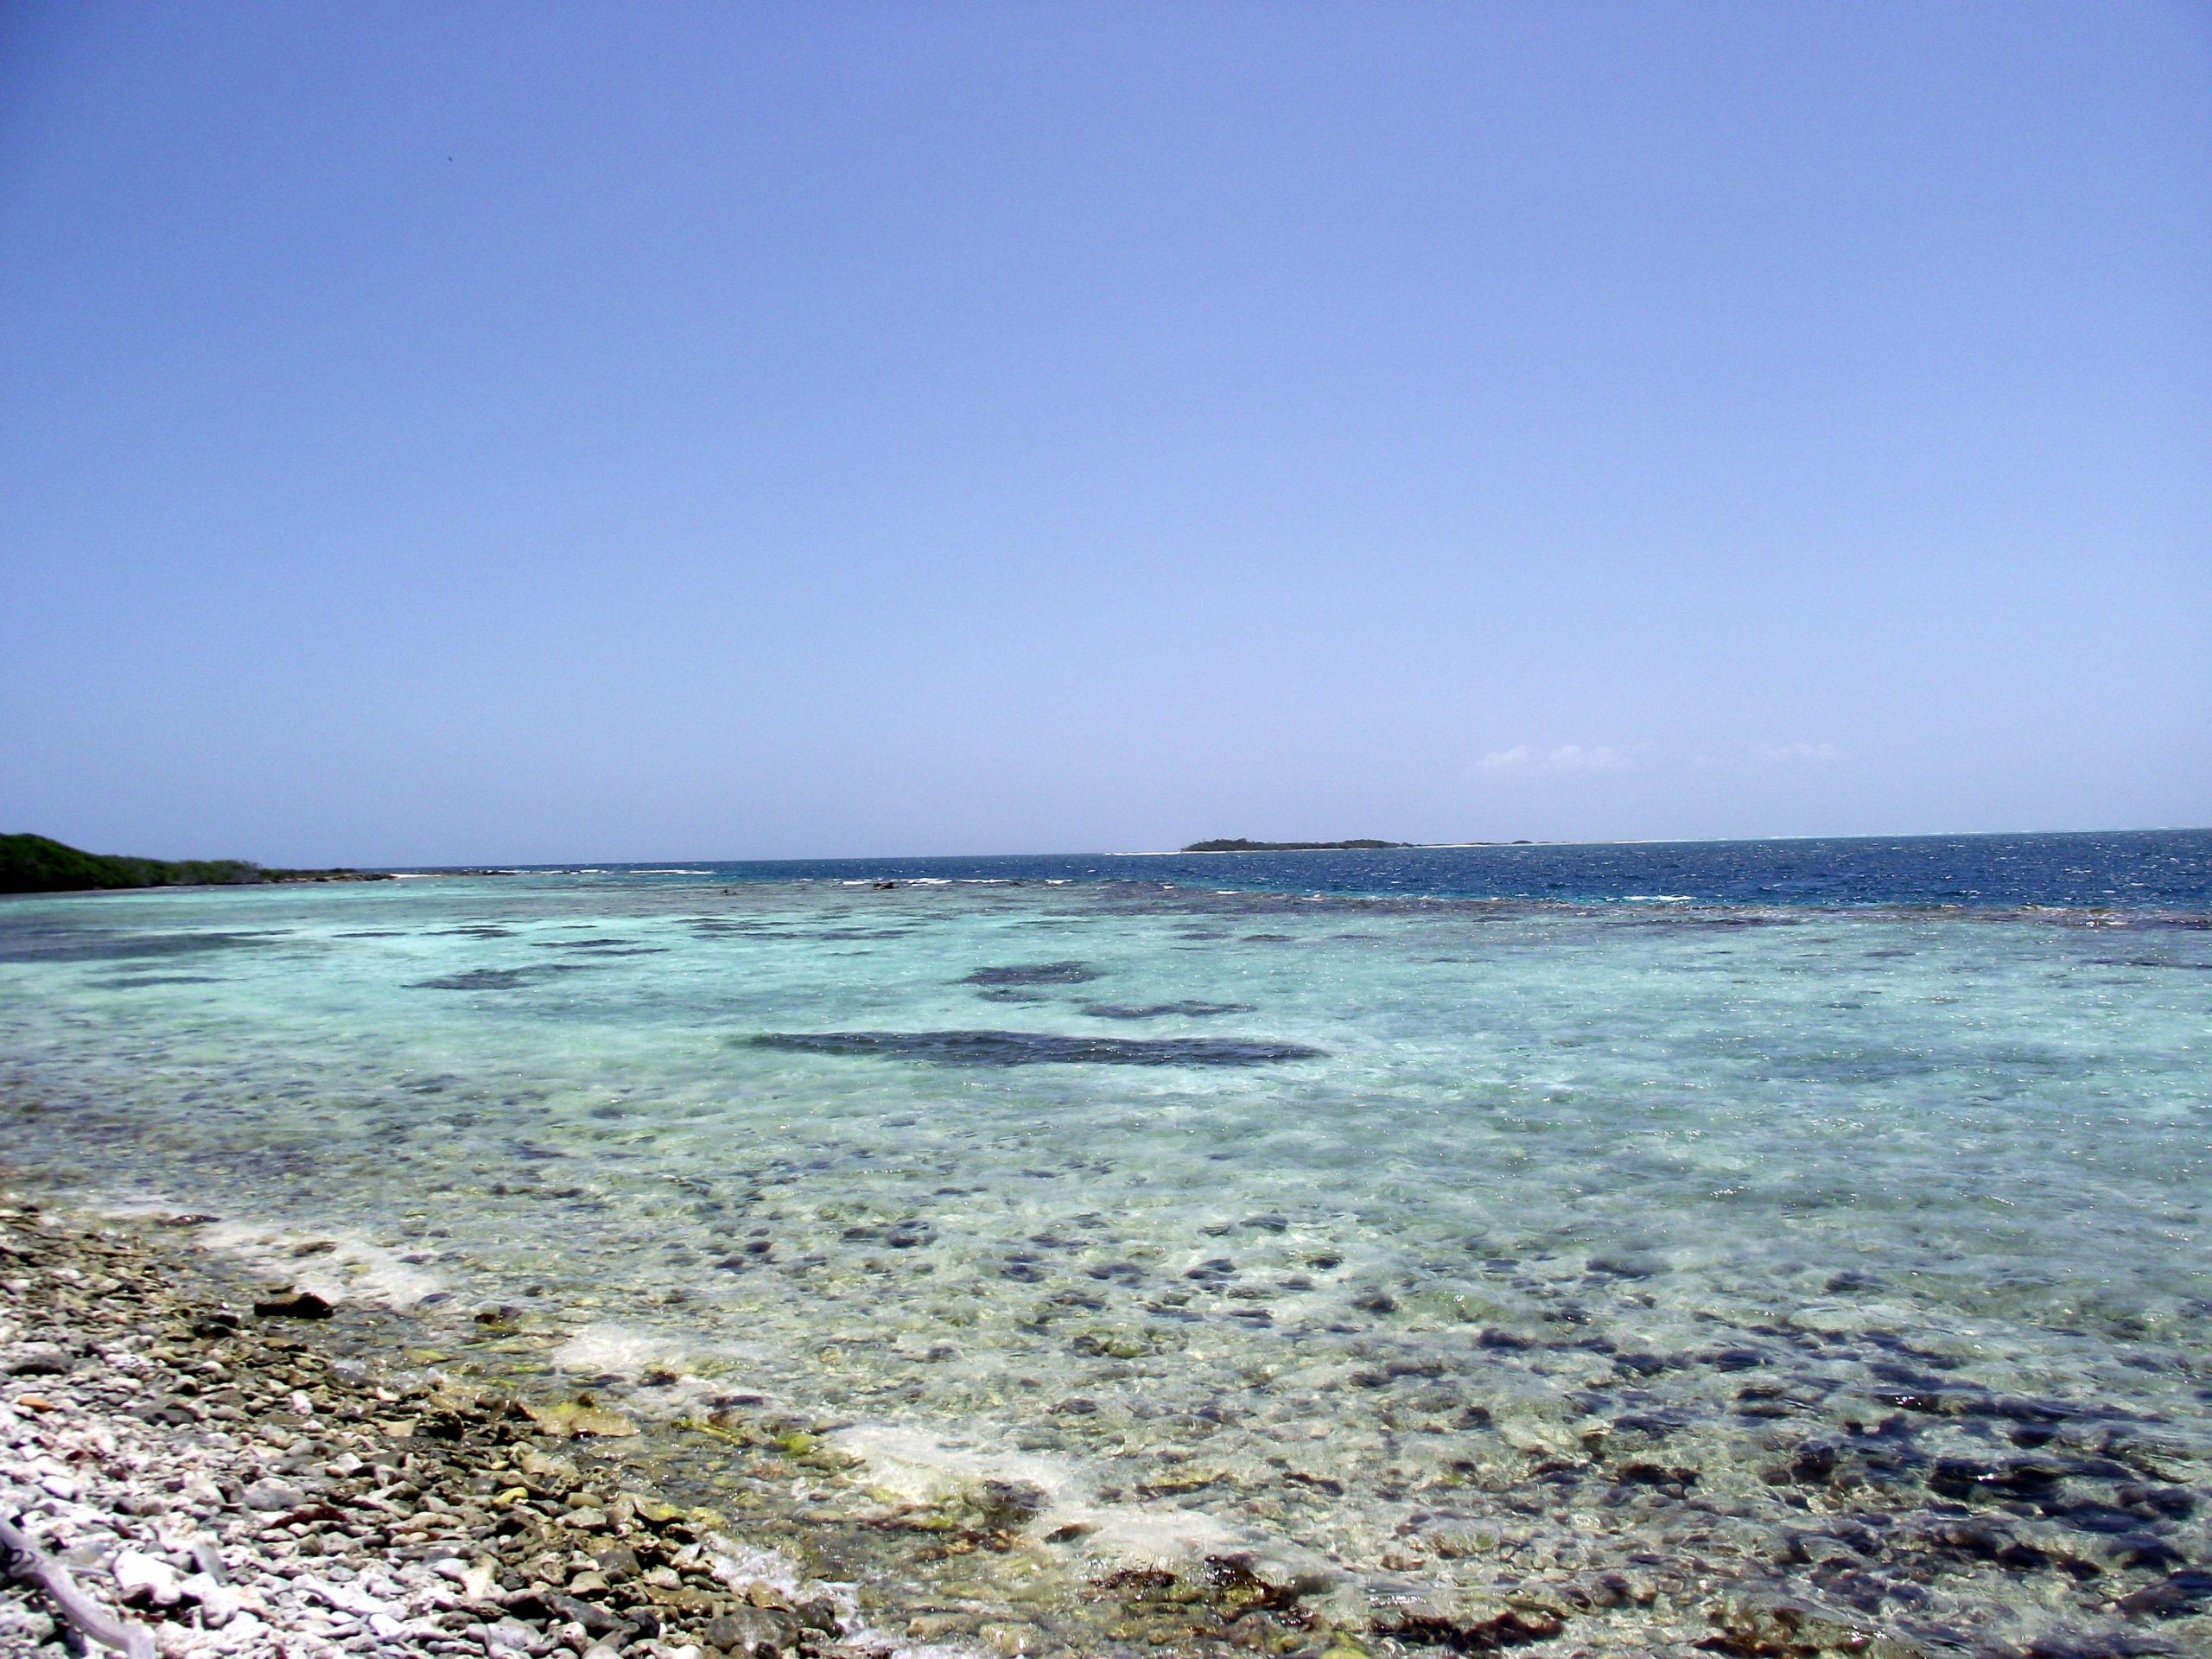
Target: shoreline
[
  {"x": 242, "y": 1469},
  {"x": 205, "y": 1466},
  {"x": 245, "y": 1469}
]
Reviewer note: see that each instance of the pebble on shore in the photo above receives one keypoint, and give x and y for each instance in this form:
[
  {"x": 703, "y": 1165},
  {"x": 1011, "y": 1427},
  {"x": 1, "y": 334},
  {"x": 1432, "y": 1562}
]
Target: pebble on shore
[{"x": 209, "y": 1475}]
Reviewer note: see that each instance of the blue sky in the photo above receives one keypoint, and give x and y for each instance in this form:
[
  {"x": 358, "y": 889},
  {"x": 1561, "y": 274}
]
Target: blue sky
[{"x": 535, "y": 432}]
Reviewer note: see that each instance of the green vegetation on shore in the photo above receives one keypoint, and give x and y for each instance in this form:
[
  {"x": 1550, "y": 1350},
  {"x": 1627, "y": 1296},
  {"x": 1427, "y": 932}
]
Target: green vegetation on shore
[
  {"x": 38, "y": 864},
  {"x": 1240, "y": 845}
]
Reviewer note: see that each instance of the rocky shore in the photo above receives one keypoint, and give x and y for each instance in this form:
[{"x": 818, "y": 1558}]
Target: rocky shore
[
  {"x": 228, "y": 1468},
  {"x": 202, "y": 1469}
]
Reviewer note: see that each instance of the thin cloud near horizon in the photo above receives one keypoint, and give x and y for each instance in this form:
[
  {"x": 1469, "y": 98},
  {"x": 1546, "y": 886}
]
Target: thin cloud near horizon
[
  {"x": 1524, "y": 759},
  {"x": 1567, "y": 757},
  {"x": 1783, "y": 754}
]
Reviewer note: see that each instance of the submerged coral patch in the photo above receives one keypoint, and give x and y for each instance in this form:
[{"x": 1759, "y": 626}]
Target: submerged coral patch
[
  {"x": 1035, "y": 973},
  {"x": 1034, "y": 1048},
  {"x": 1162, "y": 1010},
  {"x": 496, "y": 979},
  {"x": 40, "y": 945}
]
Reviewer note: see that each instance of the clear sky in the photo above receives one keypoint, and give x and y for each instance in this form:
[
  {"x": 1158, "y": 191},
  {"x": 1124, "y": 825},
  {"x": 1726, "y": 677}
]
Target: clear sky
[{"x": 533, "y": 432}]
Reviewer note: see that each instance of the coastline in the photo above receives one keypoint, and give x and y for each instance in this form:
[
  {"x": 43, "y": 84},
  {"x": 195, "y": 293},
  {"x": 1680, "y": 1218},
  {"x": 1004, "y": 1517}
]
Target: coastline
[
  {"x": 244, "y": 1471},
  {"x": 208, "y": 1465},
  {"x": 241, "y": 1469}
]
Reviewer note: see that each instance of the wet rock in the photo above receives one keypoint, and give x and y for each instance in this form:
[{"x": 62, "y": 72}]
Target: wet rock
[
  {"x": 935, "y": 1626},
  {"x": 2104, "y": 1645},
  {"x": 1925, "y": 1400},
  {"x": 1965, "y": 1477},
  {"x": 1428, "y": 1369},
  {"x": 295, "y": 1305},
  {"x": 577, "y": 1420},
  {"x": 1009, "y": 1640},
  {"x": 2093, "y": 1517},
  {"x": 1491, "y": 1632},
  {"x": 2174, "y": 1502},
  {"x": 1615, "y": 1266},
  {"x": 2144, "y": 1551},
  {"x": 2189, "y": 1591},
  {"x": 1755, "y": 1627},
  {"x": 1654, "y": 1474},
  {"x": 753, "y": 1632}
]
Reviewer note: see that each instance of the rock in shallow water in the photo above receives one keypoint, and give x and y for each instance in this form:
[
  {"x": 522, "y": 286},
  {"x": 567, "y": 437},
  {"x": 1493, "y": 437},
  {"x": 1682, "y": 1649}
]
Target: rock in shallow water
[
  {"x": 1036, "y": 972},
  {"x": 576, "y": 1421},
  {"x": 295, "y": 1305},
  {"x": 1006, "y": 1048}
]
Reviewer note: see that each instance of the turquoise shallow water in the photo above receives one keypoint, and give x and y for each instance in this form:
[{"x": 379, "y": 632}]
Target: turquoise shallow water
[{"x": 1435, "y": 1247}]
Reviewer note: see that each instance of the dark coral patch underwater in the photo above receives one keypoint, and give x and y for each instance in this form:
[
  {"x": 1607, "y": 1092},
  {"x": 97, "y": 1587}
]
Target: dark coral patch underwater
[{"x": 996, "y": 1048}]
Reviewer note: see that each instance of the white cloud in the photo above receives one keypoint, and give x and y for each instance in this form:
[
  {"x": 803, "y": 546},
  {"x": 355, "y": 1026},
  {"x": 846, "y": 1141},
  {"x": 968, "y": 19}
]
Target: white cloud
[
  {"x": 1785, "y": 754},
  {"x": 1572, "y": 757},
  {"x": 1567, "y": 757}
]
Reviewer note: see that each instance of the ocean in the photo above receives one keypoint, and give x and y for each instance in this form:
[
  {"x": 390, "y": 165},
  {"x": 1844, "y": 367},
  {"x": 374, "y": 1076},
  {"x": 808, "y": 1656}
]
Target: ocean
[{"x": 1597, "y": 1247}]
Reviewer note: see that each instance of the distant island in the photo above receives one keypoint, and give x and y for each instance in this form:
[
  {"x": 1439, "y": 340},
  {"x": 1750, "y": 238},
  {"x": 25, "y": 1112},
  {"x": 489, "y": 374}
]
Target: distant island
[
  {"x": 36, "y": 864},
  {"x": 1240, "y": 845}
]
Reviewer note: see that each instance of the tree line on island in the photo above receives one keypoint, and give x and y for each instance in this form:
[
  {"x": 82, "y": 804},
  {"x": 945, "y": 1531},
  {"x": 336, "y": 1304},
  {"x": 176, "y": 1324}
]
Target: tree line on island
[
  {"x": 1238, "y": 844},
  {"x": 38, "y": 864}
]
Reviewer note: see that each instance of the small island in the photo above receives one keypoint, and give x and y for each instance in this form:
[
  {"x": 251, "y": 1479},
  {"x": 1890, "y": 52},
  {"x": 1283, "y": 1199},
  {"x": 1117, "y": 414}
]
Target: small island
[
  {"x": 38, "y": 864},
  {"x": 1240, "y": 845}
]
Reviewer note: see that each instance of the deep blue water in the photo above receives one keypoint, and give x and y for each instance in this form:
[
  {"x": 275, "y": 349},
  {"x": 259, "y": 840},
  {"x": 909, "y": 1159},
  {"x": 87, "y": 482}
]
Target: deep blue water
[{"x": 2140, "y": 870}]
